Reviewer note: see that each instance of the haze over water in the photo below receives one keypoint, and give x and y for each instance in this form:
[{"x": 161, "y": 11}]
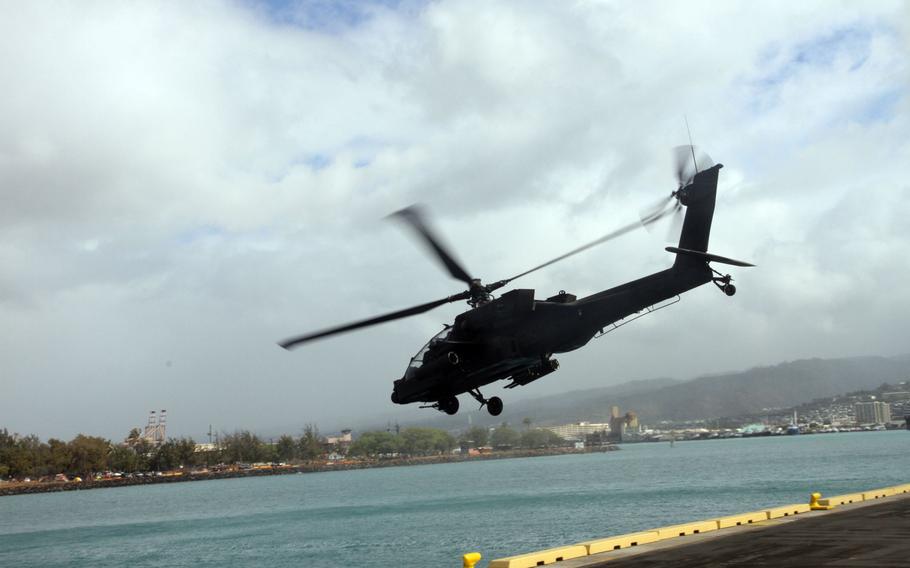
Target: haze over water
[{"x": 430, "y": 515}]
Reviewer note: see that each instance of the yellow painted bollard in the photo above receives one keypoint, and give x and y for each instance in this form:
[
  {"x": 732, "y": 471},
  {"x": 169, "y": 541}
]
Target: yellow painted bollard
[
  {"x": 470, "y": 559},
  {"x": 816, "y": 503}
]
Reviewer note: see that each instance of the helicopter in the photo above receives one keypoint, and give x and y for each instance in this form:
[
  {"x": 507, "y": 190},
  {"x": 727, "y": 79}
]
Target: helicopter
[{"x": 514, "y": 336}]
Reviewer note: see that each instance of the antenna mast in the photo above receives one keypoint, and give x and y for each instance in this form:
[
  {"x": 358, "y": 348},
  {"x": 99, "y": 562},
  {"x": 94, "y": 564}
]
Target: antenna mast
[{"x": 691, "y": 145}]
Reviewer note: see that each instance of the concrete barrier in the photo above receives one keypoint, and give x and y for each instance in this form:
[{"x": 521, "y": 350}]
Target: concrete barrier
[
  {"x": 541, "y": 558},
  {"x": 621, "y": 541},
  {"x": 743, "y": 519},
  {"x": 846, "y": 499},
  {"x": 686, "y": 529},
  {"x": 788, "y": 510}
]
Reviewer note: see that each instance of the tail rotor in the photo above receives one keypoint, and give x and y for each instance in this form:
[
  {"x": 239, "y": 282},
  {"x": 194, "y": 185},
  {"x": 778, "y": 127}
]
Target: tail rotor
[{"x": 687, "y": 162}]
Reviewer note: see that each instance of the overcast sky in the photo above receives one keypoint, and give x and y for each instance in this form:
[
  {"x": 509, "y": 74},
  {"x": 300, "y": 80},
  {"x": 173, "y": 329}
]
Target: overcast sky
[{"x": 186, "y": 183}]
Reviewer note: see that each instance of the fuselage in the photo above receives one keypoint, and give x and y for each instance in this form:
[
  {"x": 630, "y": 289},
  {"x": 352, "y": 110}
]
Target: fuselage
[{"x": 513, "y": 334}]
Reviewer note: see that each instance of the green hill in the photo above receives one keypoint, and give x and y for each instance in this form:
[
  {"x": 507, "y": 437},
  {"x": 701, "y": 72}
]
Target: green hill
[{"x": 723, "y": 395}]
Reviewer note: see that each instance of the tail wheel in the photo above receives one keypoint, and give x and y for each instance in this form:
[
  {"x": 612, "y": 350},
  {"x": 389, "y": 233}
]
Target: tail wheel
[{"x": 494, "y": 406}]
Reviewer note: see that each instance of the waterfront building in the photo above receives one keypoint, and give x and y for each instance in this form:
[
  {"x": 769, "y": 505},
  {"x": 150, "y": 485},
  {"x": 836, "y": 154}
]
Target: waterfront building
[
  {"x": 578, "y": 430},
  {"x": 342, "y": 439},
  {"x": 623, "y": 427},
  {"x": 874, "y": 412}
]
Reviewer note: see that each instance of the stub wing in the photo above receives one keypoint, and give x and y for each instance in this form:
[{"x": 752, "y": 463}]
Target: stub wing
[{"x": 707, "y": 256}]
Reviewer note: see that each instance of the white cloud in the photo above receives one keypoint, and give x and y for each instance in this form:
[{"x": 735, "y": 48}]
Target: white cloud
[{"x": 190, "y": 183}]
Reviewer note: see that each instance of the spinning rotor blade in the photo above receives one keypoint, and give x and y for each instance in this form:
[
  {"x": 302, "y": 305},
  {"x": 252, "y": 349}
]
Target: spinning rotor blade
[
  {"x": 688, "y": 161},
  {"x": 682, "y": 162},
  {"x": 608, "y": 237},
  {"x": 658, "y": 208},
  {"x": 300, "y": 339},
  {"x": 676, "y": 223},
  {"x": 414, "y": 217}
]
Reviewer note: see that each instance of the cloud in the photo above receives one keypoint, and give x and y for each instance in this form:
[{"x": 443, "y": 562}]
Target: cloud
[{"x": 191, "y": 183}]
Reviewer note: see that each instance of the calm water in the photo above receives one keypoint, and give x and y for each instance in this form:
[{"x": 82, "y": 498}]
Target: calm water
[{"x": 431, "y": 515}]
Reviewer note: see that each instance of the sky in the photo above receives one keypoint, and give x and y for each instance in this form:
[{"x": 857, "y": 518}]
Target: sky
[{"x": 186, "y": 183}]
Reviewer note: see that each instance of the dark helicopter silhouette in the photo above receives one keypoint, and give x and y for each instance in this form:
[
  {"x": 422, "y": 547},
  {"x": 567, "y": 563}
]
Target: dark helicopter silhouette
[{"x": 515, "y": 336}]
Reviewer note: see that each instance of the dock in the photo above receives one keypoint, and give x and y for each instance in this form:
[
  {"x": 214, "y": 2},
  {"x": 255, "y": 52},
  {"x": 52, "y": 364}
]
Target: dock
[{"x": 859, "y": 530}]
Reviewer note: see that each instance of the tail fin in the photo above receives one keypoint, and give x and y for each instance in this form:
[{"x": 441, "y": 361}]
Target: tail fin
[{"x": 699, "y": 197}]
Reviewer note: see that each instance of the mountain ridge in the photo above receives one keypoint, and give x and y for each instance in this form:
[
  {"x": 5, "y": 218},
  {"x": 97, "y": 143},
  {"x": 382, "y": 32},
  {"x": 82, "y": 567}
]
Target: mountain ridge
[{"x": 705, "y": 397}]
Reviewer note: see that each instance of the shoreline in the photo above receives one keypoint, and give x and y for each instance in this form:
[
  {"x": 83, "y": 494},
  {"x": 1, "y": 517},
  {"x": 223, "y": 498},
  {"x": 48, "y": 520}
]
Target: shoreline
[{"x": 308, "y": 467}]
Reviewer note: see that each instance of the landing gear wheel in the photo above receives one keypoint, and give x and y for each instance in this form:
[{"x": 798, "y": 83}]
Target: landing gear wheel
[
  {"x": 724, "y": 283},
  {"x": 449, "y": 405},
  {"x": 494, "y": 406}
]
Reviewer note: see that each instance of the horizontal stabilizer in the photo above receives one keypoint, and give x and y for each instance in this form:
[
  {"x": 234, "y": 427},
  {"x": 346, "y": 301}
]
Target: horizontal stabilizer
[{"x": 708, "y": 257}]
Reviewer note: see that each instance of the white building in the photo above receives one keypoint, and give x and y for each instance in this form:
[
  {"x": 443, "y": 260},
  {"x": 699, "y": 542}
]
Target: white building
[
  {"x": 578, "y": 430},
  {"x": 874, "y": 412}
]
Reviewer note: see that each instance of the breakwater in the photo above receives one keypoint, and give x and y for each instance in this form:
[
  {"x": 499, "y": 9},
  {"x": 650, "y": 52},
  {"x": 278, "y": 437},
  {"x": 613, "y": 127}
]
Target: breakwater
[{"x": 307, "y": 467}]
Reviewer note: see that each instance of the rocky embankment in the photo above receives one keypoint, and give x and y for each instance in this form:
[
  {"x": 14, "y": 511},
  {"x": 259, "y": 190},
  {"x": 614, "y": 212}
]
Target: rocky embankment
[{"x": 308, "y": 467}]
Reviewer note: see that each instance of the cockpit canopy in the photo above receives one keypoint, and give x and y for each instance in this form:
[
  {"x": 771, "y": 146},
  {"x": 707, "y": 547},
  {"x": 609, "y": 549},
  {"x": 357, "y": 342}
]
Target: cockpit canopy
[{"x": 418, "y": 359}]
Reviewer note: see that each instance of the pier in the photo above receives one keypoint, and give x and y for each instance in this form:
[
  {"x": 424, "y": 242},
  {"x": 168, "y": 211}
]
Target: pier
[{"x": 857, "y": 530}]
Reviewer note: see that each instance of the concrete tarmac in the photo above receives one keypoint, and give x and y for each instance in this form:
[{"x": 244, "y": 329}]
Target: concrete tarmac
[{"x": 862, "y": 535}]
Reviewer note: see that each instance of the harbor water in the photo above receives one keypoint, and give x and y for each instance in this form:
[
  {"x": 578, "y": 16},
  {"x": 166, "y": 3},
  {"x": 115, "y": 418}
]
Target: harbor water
[{"x": 430, "y": 515}]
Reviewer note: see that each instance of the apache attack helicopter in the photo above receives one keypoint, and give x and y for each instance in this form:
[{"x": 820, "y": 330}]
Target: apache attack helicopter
[{"x": 514, "y": 336}]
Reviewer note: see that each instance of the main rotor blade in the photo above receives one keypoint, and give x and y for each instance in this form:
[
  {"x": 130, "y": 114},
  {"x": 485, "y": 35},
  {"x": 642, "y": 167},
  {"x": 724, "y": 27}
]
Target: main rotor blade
[
  {"x": 608, "y": 237},
  {"x": 300, "y": 339},
  {"x": 415, "y": 217}
]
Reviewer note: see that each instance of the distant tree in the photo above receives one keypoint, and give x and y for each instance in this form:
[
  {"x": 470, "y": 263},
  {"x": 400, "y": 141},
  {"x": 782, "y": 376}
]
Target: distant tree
[
  {"x": 535, "y": 438},
  {"x": 185, "y": 449},
  {"x": 504, "y": 437},
  {"x": 425, "y": 441},
  {"x": 36, "y": 454},
  {"x": 60, "y": 456},
  {"x": 166, "y": 456},
  {"x": 269, "y": 453},
  {"x": 476, "y": 437},
  {"x": 554, "y": 440},
  {"x": 18, "y": 461},
  {"x": 144, "y": 453},
  {"x": 443, "y": 442},
  {"x": 527, "y": 422},
  {"x": 286, "y": 448},
  {"x": 7, "y": 442},
  {"x": 376, "y": 444},
  {"x": 310, "y": 444},
  {"x": 88, "y": 454},
  {"x": 123, "y": 458},
  {"x": 243, "y": 446},
  {"x": 417, "y": 441}
]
